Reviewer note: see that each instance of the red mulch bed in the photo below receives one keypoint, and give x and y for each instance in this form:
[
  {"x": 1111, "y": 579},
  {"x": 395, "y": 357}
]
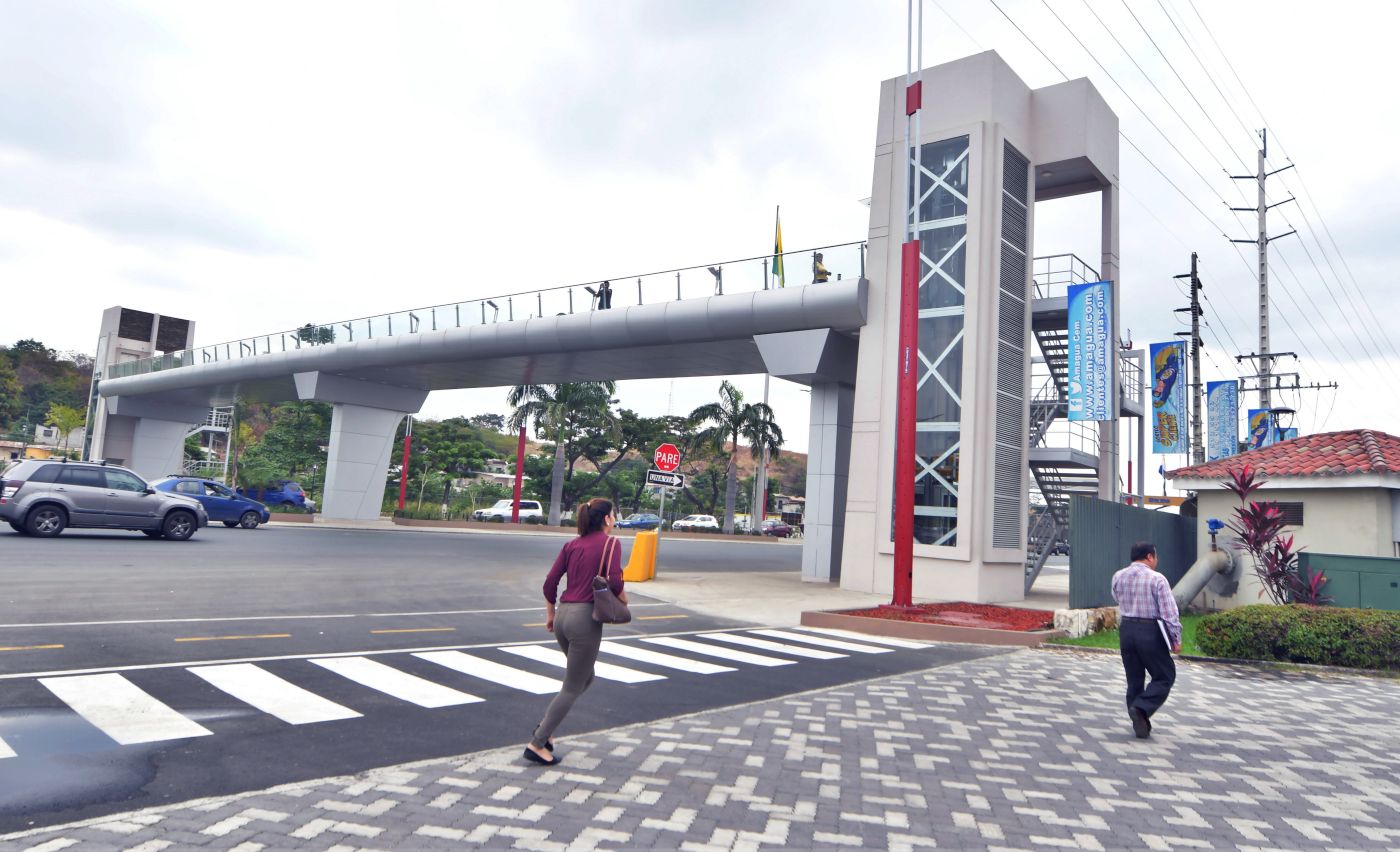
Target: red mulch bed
[{"x": 964, "y": 615}]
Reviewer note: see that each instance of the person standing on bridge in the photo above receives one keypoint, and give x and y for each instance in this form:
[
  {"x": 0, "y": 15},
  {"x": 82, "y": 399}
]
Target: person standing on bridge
[
  {"x": 1149, "y": 632},
  {"x": 594, "y": 553}
]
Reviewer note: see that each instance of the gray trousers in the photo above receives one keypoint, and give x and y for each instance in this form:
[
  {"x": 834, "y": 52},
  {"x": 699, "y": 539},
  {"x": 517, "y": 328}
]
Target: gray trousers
[{"x": 579, "y": 636}]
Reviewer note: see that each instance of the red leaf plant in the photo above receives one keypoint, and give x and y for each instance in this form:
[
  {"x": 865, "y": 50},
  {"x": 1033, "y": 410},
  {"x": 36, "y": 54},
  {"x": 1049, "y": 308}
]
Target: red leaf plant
[{"x": 1260, "y": 528}]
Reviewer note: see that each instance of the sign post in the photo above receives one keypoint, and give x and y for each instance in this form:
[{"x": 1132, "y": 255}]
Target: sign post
[{"x": 666, "y": 458}]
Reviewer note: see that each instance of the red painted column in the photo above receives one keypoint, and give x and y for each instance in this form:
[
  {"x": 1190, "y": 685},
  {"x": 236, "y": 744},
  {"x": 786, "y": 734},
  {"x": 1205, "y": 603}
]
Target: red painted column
[
  {"x": 905, "y": 433},
  {"x": 403, "y": 468},
  {"x": 519, "y": 476}
]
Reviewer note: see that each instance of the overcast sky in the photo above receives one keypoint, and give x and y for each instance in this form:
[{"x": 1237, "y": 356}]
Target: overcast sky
[{"x": 256, "y": 166}]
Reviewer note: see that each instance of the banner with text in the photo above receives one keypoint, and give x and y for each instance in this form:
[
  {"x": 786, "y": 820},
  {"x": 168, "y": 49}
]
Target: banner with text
[
  {"x": 1222, "y": 419},
  {"x": 1168, "y": 397},
  {"x": 1260, "y": 428},
  {"x": 1090, "y": 352}
]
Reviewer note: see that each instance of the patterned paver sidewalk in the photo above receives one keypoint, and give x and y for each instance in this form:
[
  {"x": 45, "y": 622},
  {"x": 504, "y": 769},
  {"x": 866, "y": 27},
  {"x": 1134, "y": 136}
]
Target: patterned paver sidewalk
[{"x": 1022, "y": 751}]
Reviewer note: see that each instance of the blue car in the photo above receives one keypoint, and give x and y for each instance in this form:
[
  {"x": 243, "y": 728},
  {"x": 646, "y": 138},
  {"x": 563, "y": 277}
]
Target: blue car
[
  {"x": 283, "y": 492},
  {"x": 640, "y": 521},
  {"x": 218, "y": 500}
]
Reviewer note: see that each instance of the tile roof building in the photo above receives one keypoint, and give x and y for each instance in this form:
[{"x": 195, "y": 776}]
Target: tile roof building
[{"x": 1339, "y": 490}]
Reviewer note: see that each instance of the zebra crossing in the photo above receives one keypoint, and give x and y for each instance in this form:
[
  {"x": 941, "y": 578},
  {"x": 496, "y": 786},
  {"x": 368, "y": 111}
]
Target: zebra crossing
[{"x": 129, "y": 714}]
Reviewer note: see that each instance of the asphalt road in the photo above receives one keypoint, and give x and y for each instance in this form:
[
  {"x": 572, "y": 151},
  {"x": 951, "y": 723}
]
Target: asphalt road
[{"x": 135, "y": 672}]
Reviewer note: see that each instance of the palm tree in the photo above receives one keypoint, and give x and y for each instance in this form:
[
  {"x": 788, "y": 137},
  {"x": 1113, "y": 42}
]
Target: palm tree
[
  {"x": 557, "y": 412},
  {"x": 731, "y": 418},
  {"x": 66, "y": 418}
]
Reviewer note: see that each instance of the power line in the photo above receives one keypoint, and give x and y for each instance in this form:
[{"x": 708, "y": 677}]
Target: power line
[{"x": 1210, "y": 77}]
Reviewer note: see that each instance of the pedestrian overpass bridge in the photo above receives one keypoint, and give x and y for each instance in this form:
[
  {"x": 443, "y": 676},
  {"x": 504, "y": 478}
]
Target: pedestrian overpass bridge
[{"x": 375, "y": 370}]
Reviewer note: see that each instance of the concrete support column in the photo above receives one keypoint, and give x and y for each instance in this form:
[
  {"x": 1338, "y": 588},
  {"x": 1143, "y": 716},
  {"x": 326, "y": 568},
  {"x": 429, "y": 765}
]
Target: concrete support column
[
  {"x": 357, "y": 464},
  {"x": 828, "y": 469},
  {"x": 148, "y": 436},
  {"x": 364, "y": 418},
  {"x": 1109, "y": 271}
]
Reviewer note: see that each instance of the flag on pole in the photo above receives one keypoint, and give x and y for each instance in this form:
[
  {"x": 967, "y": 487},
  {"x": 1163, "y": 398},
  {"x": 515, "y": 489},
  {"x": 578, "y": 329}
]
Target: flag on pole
[{"x": 778, "y": 247}]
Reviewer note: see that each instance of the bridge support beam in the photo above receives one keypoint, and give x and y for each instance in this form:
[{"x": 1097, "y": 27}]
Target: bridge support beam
[
  {"x": 826, "y": 361},
  {"x": 364, "y": 418},
  {"x": 148, "y": 436}
]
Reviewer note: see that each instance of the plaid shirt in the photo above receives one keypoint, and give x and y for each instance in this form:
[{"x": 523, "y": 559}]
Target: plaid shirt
[{"x": 1143, "y": 593}]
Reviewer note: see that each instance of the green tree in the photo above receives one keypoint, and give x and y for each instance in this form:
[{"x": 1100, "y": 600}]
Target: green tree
[
  {"x": 11, "y": 391},
  {"x": 66, "y": 418},
  {"x": 558, "y": 413},
  {"x": 290, "y": 447},
  {"x": 729, "y": 420}
]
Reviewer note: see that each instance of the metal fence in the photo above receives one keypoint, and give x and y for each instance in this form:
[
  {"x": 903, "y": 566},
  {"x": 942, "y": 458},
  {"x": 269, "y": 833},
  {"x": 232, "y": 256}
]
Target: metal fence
[{"x": 1101, "y": 535}]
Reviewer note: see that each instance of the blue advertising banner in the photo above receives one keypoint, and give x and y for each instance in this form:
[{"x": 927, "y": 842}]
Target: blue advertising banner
[
  {"x": 1222, "y": 419},
  {"x": 1288, "y": 434},
  {"x": 1090, "y": 352},
  {"x": 1260, "y": 429},
  {"x": 1168, "y": 397}
]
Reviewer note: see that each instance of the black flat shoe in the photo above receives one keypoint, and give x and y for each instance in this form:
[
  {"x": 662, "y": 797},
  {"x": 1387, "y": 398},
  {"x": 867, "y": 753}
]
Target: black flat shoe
[
  {"x": 1141, "y": 726},
  {"x": 535, "y": 758}
]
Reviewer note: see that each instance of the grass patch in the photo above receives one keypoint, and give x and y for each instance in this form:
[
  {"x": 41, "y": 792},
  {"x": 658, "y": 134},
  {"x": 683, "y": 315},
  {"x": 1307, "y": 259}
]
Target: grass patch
[{"x": 1109, "y": 638}]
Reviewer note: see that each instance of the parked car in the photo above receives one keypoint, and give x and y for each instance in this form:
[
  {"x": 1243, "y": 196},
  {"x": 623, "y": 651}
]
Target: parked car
[
  {"x": 283, "y": 492},
  {"x": 218, "y": 500},
  {"x": 639, "y": 521},
  {"x": 501, "y": 511},
  {"x": 696, "y": 522},
  {"x": 42, "y": 497},
  {"x": 775, "y": 528}
]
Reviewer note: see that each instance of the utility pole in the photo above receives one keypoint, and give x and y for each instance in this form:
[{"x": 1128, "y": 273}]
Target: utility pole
[
  {"x": 1198, "y": 446},
  {"x": 1261, "y": 177}
]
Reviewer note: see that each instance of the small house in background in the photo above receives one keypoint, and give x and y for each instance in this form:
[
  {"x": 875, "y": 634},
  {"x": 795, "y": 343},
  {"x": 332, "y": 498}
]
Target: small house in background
[
  {"x": 499, "y": 467},
  {"x": 1340, "y": 496}
]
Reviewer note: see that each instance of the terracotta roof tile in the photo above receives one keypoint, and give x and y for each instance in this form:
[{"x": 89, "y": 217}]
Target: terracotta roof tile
[{"x": 1354, "y": 452}]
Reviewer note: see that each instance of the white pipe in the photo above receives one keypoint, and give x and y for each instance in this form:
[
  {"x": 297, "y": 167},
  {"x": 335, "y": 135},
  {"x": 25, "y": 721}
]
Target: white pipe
[{"x": 1212, "y": 563}]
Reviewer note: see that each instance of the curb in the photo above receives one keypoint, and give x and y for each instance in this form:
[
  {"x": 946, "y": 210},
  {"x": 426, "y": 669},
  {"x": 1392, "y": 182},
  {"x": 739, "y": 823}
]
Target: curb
[
  {"x": 1273, "y": 665},
  {"x": 928, "y": 632}
]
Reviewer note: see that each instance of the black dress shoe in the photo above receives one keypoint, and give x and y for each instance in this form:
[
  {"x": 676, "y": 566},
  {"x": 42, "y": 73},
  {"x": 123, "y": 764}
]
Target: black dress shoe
[
  {"x": 535, "y": 758},
  {"x": 1142, "y": 726}
]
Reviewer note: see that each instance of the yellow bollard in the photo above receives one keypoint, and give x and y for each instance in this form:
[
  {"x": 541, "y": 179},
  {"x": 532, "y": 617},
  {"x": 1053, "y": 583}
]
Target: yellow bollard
[{"x": 641, "y": 565}]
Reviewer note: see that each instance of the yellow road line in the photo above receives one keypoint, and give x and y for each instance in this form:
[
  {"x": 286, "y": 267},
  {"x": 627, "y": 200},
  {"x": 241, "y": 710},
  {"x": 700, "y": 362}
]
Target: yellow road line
[
  {"x": 659, "y": 617},
  {"x": 416, "y": 630},
  {"x": 221, "y": 638},
  {"x": 30, "y": 647},
  {"x": 541, "y": 624}
]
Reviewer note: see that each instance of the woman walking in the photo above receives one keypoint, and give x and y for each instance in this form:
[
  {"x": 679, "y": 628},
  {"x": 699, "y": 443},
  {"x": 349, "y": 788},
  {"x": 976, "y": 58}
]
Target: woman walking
[{"x": 594, "y": 553}]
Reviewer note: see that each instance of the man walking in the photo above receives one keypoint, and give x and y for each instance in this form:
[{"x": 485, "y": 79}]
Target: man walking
[{"x": 1149, "y": 632}]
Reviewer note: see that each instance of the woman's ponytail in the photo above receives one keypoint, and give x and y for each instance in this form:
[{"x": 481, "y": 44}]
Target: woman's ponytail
[{"x": 591, "y": 514}]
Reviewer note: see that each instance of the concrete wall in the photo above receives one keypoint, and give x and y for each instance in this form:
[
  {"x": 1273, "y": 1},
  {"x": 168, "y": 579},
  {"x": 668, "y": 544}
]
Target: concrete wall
[{"x": 1349, "y": 521}]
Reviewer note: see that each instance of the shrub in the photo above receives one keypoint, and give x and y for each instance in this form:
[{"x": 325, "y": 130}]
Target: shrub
[
  {"x": 1297, "y": 633},
  {"x": 534, "y": 520}
]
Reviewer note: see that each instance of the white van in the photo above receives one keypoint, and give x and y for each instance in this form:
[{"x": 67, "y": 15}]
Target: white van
[{"x": 501, "y": 511}]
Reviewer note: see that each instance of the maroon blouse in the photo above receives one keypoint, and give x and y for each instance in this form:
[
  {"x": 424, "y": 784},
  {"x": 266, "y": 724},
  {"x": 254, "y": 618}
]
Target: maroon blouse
[{"x": 581, "y": 559}]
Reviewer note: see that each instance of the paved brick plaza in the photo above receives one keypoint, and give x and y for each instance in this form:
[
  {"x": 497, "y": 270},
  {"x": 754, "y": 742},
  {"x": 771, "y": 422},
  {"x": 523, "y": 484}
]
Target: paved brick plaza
[{"x": 1025, "y": 750}]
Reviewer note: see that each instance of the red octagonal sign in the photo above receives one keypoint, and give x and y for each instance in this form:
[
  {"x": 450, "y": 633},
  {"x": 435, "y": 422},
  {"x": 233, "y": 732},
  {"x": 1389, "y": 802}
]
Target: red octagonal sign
[{"x": 667, "y": 457}]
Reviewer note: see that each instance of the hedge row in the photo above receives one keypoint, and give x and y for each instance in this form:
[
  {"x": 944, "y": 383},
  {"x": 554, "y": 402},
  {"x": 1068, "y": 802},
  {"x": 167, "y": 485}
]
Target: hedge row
[{"x": 1296, "y": 633}]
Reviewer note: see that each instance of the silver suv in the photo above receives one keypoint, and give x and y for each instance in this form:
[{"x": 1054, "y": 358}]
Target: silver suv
[{"x": 41, "y": 497}]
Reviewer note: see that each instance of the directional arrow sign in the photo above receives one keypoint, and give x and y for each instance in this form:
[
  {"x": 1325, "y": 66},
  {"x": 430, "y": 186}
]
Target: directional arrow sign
[{"x": 661, "y": 477}]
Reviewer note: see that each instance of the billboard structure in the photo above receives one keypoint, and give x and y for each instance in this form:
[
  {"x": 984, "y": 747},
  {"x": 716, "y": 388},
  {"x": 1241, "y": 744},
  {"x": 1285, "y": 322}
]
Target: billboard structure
[
  {"x": 1223, "y": 418},
  {"x": 1090, "y": 383},
  {"x": 1168, "y": 397}
]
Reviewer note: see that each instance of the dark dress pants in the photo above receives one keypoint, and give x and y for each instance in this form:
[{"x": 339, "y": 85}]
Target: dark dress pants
[{"x": 1145, "y": 651}]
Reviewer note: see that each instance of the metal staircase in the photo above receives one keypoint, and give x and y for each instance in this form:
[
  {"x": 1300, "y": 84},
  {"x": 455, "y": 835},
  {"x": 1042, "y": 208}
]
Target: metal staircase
[
  {"x": 1064, "y": 454},
  {"x": 215, "y": 439}
]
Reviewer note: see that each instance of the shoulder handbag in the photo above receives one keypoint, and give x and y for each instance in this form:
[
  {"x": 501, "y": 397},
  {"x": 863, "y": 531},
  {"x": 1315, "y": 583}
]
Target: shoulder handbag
[{"x": 607, "y": 609}]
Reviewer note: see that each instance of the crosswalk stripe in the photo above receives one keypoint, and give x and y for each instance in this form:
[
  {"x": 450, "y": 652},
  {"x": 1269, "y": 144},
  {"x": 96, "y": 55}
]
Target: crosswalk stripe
[
  {"x": 272, "y": 695},
  {"x": 656, "y": 658},
  {"x": 399, "y": 684},
  {"x": 824, "y": 642},
  {"x": 494, "y": 672},
  {"x": 5, "y": 750},
  {"x": 555, "y": 657},
  {"x": 716, "y": 651},
  {"x": 768, "y": 645},
  {"x": 121, "y": 709},
  {"x": 879, "y": 640}
]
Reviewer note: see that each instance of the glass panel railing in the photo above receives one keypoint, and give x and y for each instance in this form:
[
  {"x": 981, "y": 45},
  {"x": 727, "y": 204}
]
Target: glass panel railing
[{"x": 796, "y": 268}]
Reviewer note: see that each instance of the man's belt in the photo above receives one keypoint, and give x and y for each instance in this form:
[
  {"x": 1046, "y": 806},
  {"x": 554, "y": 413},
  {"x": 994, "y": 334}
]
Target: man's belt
[{"x": 1138, "y": 620}]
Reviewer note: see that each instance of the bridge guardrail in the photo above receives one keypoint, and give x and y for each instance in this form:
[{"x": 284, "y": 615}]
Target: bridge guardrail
[{"x": 837, "y": 262}]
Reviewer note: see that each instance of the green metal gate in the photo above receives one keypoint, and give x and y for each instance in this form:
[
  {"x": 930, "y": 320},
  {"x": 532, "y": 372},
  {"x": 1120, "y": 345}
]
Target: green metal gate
[{"x": 1102, "y": 533}]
